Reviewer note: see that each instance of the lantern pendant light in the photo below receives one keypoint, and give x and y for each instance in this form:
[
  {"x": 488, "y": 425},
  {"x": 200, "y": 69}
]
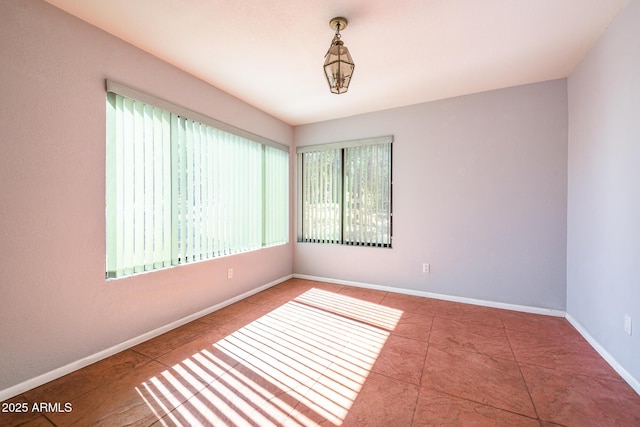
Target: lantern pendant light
[{"x": 338, "y": 65}]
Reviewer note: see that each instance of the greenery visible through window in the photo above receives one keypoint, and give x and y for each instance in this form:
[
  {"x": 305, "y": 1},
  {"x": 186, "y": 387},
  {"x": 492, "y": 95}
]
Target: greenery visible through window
[
  {"x": 179, "y": 190},
  {"x": 344, "y": 193}
]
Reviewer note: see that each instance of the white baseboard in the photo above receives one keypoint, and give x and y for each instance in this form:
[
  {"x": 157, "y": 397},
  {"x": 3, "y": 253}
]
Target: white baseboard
[
  {"x": 484, "y": 303},
  {"x": 633, "y": 382},
  {"x": 86, "y": 361}
]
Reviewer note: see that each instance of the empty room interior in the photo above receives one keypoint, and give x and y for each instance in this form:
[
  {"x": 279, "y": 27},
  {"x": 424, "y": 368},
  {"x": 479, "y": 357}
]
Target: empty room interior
[{"x": 201, "y": 227}]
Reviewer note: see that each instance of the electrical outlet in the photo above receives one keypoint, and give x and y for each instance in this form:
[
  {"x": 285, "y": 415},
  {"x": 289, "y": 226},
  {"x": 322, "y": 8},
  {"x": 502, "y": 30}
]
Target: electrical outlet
[
  {"x": 426, "y": 268},
  {"x": 627, "y": 324},
  {"x": 230, "y": 273}
]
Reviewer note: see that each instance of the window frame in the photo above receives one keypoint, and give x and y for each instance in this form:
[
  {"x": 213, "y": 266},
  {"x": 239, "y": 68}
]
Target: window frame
[
  {"x": 342, "y": 146},
  {"x": 269, "y": 159}
]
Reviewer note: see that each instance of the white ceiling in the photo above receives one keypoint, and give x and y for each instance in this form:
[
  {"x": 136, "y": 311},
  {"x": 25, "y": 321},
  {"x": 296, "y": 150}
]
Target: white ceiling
[{"x": 269, "y": 53}]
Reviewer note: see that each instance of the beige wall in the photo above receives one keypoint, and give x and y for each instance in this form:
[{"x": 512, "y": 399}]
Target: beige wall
[
  {"x": 479, "y": 193},
  {"x": 604, "y": 193}
]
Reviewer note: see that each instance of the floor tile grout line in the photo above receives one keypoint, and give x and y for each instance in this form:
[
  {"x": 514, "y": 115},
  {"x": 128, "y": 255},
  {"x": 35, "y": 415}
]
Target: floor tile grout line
[
  {"x": 197, "y": 390},
  {"x": 208, "y": 329},
  {"x": 572, "y": 373},
  {"x": 48, "y": 419},
  {"x": 614, "y": 378},
  {"x": 424, "y": 364},
  {"x": 112, "y": 380},
  {"x": 464, "y": 350},
  {"x": 483, "y": 403},
  {"x": 514, "y": 360},
  {"x": 415, "y": 403},
  {"x": 524, "y": 381},
  {"x": 471, "y": 400},
  {"x": 470, "y": 322}
]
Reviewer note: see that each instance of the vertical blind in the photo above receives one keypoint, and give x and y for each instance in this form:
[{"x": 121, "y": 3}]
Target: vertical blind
[
  {"x": 139, "y": 204},
  {"x": 276, "y": 201},
  {"x": 367, "y": 195},
  {"x": 179, "y": 190},
  {"x": 344, "y": 193},
  {"x": 322, "y": 196}
]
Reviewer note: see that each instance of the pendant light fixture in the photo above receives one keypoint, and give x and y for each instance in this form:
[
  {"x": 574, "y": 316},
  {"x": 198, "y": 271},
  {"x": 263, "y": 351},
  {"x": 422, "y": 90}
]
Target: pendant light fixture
[{"x": 338, "y": 65}]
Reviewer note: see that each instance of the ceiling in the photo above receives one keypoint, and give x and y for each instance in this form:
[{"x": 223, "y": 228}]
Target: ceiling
[{"x": 269, "y": 53}]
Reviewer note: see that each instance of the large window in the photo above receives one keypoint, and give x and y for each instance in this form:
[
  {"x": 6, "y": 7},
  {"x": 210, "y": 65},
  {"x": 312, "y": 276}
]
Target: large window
[
  {"x": 344, "y": 193},
  {"x": 180, "y": 189}
]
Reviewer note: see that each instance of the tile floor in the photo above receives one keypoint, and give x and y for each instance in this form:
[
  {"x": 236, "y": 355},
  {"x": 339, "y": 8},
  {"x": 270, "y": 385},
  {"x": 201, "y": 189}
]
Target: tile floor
[{"x": 309, "y": 353}]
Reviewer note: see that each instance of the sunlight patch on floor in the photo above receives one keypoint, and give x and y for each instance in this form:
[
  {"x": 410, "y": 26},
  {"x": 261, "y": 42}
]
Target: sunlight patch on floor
[{"x": 302, "y": 363}]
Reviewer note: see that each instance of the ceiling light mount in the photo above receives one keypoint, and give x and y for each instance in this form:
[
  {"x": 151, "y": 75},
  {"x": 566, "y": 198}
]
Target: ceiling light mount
[
  {"x": 339, "y": 23},
  {"x": 338, "y": 64}
]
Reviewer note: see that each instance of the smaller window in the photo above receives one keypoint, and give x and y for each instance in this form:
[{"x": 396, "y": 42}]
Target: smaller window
[{"x": 344, "y": 193}]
